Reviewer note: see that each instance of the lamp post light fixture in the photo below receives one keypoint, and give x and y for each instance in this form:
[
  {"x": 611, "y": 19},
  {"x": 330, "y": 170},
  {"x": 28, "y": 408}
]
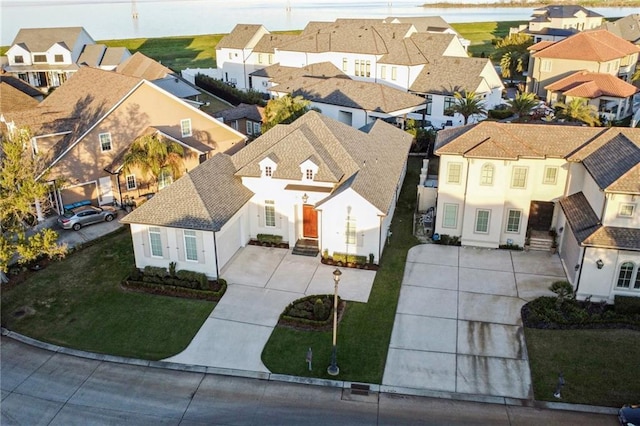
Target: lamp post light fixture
[{"x": 333, "y": 369}]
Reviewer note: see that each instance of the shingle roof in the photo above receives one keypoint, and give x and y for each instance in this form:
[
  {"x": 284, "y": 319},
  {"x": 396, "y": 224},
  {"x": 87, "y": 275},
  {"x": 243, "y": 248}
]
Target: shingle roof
[
  {"x": 596, "y": 45},
  {"x": 114, "y": 56},
  {"x": 612, "y": 163},
  {"x": 177, "y": 86},
  {"x": 627, "y": 28},
  {"x": 592, "y": 85},
  {"x": 269, "y": 42},
  {"x": 563, "y": 11},
  {"x": 92, "y": 54},
  {"x": 446, "y": 75},
  {"x": 203, "y": 199},
  {"x": 252, "y": 112},
  {"x": 41, "y": 39},
  {"x": 582, "y": 220},
  {"x": 239, "y": 37},
  {"x": 614, "y": 237},
  {"x": 13, "y": 99},
  {"x": 422, "y": 23},
  {"x": 280, "y": 74},
  {"x": 141, "y": 66},
  {"x": 603, "y": 137}
]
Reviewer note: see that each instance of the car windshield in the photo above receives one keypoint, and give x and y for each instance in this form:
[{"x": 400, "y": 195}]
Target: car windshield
[{"x": 68, "y": 214}]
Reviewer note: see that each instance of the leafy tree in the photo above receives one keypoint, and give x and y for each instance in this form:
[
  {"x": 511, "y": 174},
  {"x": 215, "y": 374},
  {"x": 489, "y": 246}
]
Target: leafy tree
[
  {"x": 523, "y": 104},
  {"x": 284, "y": 110},
  {"x": 513, "y": 54},
  {"x": 468, "y": 104},
  {"x": 636, "y": 75},
  {"x": 578, "y": 110},
  {"x": 19, "y": 192},
  {"x": 153, "y": 156}
]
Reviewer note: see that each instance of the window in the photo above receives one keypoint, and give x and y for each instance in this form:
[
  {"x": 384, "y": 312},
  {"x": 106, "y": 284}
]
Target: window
[
  {"x": 58, "y": 58},
  {"x": 550, "y": 175},
  {"x": 190, "y": 246},
  {"x": 394, "y": 73},
  {"x": 482, "y": 221},
  {"x": 105, "y": 141},
  {"x": 257, "y": 128},
  {"x": 270, "y": 213},
  {"x": 345, "y": 64},
  {"x": 39, "y": 58},
  {"x": 18, "y": 59},
  {"x": 545, "y": 65},
  {"x": 450, "y": 217},
  {"x": 368, "y": 67},
  {"x": 259, "y": 58},
  {"x": 249, "y": 127},
  {"x": 350, "y": 231},
  {"x": 357, "y": 67},
  {"x": 519, "y": 177},
  {"x": 513, "y": 220},
  {"x": 309, "y": 174},
  {"x": 268, "y": 171},
  {"x": 486, "y": 175},
  {"x": 449, "y": 103},
  {"x": 270, "y": 58},
  {"x": 155, "y": 240},
  {"x": 454, "y": 171},
  {"x": 165, "y": 179},
  {"x": 131, "y": 182},
  {"x": 383, "y": 72},
  {"x": 624, "y": 277},
  {"x": 626, "y": 210},
  {"x": 428, "y": 100},
  {"x": 185, "y": 127},
  {"x": 230, "y": 55}
]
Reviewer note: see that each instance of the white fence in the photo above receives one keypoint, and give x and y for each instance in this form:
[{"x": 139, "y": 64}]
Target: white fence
[{"x": 189, "y": 74}]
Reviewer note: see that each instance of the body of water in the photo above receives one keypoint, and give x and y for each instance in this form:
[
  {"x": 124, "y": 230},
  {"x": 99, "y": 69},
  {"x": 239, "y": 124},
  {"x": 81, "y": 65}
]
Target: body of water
[{"x": 157, "y": 18}]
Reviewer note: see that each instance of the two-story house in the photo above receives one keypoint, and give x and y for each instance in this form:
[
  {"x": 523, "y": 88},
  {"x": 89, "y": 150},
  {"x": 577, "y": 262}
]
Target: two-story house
[
  {"x": 84, "y": 128},
  {"x": 597, "y": 51},
  {"x": 557, "y": 22},
  {"x": 47, "y": 57},
  {"x": 500, "y": 182},
  {"x": 315, "y": 180},
  {"x": 235, "y": 55},
  {"x": 627, "y": 27}
]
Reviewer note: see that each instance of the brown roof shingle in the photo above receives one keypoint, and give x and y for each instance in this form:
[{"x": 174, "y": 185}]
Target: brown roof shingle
[{"x": 239, "y": 37}]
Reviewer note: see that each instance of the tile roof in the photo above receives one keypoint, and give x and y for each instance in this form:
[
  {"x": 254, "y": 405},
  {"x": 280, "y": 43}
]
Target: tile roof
[
  {"x": 582, "y": 220},
  {"x": 239, "y": 37},
  {"x": 41, "y": 39},
  {"x": 592, "y": 85},
  {"x": 627, "y": 28},
  {"x": 351, "y": 93},
  {"x": 616, "y": 163},
  {"x": 595, "y": 45},
  {"x": 203, "y": 199},
  {"x": 447, "y": 74},
  {"x": 252, "y": 112},
  {"x": 142, "y": 66},
  {"x": 614, "y": 237}
]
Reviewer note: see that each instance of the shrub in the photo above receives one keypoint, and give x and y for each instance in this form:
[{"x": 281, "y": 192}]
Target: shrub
[
  {"x": 627, "y": 305},
  {"x": 192, "y": 279},
  {"x": 136, "y": 274},
  {"x": 499, "y": 114},
  {"x": 269, "y": 238},
  {"x": 371, "y": 258},
  {"x": 155, "y": 271},
  {"x": 510, "y": 247},
  {"x": 325, "y": 254},
  {"x": 318, "y": 310},
  {"x": 172, "y": 269},
  {"x": 230, "y": 93},
  {"x": 349, "y": 258},
  {"x": 448, "y": 240},
  {"x": 563, "y": 290}
]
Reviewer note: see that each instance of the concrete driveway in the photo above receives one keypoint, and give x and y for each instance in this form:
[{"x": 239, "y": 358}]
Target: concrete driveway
[
  {"x": 261, "y": 283},
  {"x": 458, "y": 326}
]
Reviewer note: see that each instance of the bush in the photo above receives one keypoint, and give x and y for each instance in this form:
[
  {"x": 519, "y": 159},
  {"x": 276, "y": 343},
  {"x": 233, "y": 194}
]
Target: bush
[
  {"x": 562, "y": 289},
  {"x": 192, "y": 279},
  {"x": 349, "y": 258},
  {"x": 230, "y": 93},
  {"x": 499, "y": 114},
  {"x": 269, "y": 238},
  {"x": 319, "y": 311},
  {"x": 448, "y": 240},
  {"x": 627, "y": 305},
  {"x": 155, "y": 271}
]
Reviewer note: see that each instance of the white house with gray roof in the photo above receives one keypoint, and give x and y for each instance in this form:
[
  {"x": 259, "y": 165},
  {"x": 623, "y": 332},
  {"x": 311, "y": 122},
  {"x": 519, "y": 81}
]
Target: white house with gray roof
[
  {"x": 315, "y": 181},
  {"x": 502, "y": 184}
]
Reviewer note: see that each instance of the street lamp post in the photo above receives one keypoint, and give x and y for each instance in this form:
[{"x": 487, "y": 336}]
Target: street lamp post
[{"x": 333, "y": 369}]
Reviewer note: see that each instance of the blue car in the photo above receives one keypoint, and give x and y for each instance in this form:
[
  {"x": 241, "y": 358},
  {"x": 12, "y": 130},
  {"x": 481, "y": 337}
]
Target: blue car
[{"x": 629, "y": 415}]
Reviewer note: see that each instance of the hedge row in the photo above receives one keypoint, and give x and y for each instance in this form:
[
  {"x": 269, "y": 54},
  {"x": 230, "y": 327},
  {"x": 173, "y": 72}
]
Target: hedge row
[
  {"x": 229, "y": 93},
  {"x": 269, "y": 238},
  {"x": 349, "y": 258},
  {"x": 182, "y": 278},
  {"x": 171, "y": 290},
  {"x": 627, "y": 305}
]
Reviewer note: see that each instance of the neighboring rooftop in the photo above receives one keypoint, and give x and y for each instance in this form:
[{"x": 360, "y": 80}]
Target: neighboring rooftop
[
  {"x": 141, "y": 66},
  {"x": 590, "y": 85},
  {"x": 239, "y": 37},
  {"x": 563, "y": 11},
  {"x": 596, "y": 45},
  {"x": 248, "y": 111},
  {"x": 41, "y": 39},
  {"x": 627, "y": 28}
]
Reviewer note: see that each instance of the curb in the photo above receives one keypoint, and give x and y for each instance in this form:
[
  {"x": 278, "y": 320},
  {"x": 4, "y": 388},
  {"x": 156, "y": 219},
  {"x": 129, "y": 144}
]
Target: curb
[{"x": 273, "y": 377}]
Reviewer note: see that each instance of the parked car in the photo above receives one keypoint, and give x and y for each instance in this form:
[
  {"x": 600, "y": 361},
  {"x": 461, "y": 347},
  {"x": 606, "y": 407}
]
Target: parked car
[
  {"x": 629, "y": 415},
  {"x": 86, "y": 215}
]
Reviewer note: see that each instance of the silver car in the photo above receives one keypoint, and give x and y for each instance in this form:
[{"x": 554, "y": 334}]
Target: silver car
[{"x": 86, "y": 215}]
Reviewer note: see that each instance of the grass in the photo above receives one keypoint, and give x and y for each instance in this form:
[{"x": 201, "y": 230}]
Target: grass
[
  {"x": 365, "y": 330},
  {"x": 600, "y": 367},
  {"x": 78, "y": 303},
  {"x": 481, "y": 34}
]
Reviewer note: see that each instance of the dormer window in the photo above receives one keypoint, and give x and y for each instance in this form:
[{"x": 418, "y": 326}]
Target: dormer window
[
  {"x": 18, "y": 59},
  {"x": 40, "y": 58},
  {"x": 268, "y": 171},
  {"x": 268, "y": 166},
  {"x": 58, "y": 58},
  {"x": 308, "y": 169},
  {"x": 309, "y": 174}
]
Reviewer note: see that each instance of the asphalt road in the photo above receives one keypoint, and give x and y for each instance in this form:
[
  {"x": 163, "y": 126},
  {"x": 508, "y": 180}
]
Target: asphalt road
[{"x": 43, "y": 387}]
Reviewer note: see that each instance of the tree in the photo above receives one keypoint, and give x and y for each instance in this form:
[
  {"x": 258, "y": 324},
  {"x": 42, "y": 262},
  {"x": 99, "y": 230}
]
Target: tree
[
  {"x": 523, "y": 104},
  {"x": 284, "y": 110},
  {"x": 19, "y": 193},
  {"x": 468, "y": 104},
  {"x": 578, "y": 110},
  {"x": 636, "y": 75},
  {"x": 155, "y": 156},
  {"x": 513, "y": 54}
]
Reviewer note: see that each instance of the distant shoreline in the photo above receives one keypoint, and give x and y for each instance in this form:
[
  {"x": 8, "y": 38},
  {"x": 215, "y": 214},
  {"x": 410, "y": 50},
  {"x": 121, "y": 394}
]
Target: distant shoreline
[{"x": 533, "y": 5}]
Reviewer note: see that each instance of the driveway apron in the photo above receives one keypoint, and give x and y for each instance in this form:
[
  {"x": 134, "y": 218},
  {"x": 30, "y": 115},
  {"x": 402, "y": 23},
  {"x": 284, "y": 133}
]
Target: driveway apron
[
  {"x": 458, "y": 326},
  {"x": 261, "y": 283}
]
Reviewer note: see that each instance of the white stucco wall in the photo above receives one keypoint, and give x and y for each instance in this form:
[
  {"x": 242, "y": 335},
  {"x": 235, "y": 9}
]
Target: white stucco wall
[
  {"x": 601, "y": 283},
  {"x": 613, "y": 217}
]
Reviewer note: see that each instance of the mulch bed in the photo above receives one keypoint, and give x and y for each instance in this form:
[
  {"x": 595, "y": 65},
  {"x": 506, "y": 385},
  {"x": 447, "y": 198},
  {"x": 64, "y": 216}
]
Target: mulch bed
[
  {"x": 529, "y": 321},
  {"x": 213, "y": 295}
]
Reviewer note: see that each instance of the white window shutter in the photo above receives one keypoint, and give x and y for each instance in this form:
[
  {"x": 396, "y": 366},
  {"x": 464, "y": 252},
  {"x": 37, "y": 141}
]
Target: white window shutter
[{"x": 180, "y": 243}]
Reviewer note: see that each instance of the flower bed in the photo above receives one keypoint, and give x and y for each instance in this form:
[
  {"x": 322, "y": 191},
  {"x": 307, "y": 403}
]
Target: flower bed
[
  {"x": 348, "y": 260},
  {"x": 269, "y": 240},
  {"x": 311, "y": 313}
]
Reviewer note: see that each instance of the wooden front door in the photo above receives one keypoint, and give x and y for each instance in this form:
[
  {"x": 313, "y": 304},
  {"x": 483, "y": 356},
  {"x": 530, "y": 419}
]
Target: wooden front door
[
  {"x": 309, "y": 221},
  {"x": 540, "y": 215}
]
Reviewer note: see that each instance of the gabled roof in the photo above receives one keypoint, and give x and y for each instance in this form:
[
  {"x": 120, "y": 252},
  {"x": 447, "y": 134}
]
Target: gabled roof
[
  {"x": 423, "y": 24},
  {"x": 596, "y": 45},
  {"x": 114, "y": 56},
  {"x": 92, "y": 54},
  {"x": 447, "y": 75},
  {"x": 280, "y": 74},
  {"x": 203, "y": 199},
  {"x": 249, "y": 111},
  {"x": 13, "y": 99},
  {"x": 141, "y": 66},
  {"x": 592, "y": 85},
  {"x": 616, "y": 164},
  {"x": 614, "y": 237},
  {"x": 21, "y": 85},
  {"x": 563, "y": 11},
  {"x": 269, "y": 42},
  {"x": 239, "y": 37},
  {"x": 177, "y": 86},
  {"x": 350, "y": 93},
  {"x": 627, "y": 28},
  {"x": 41, "y": 39},
  {"x": 582, "y": 220}
]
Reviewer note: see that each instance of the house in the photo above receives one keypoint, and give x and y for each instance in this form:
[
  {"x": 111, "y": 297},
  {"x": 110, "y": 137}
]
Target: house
[
  {"x": 245, "y": 118},
  {"x": 597, "y": 51},
  {"x": 611, "y": 96},
  {"x": 503, "y": 184},
  {"x": 557, "y": 22},
  {"x": 316, "y": 180},
  {"x": 47, "y": 57},
  {"x": 627, "y": 28},
  {"x": 84, "y": 128},
  {"x": 235, "y": 56}
]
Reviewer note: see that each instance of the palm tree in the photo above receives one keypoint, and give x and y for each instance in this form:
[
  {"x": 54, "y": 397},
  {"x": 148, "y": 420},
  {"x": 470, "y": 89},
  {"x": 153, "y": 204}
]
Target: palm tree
[
  {"x": 523, "y": 103},
  {"x": 468, "y": 104},
  {"x": 513, "y": 54},
  {"x": 155, "y": 156},
  {"x": 636, "y": 75},
  {"x": 512, "y": 63},
  {"x": 578, "y": 110},
  {"x": 284, "y": 110}
]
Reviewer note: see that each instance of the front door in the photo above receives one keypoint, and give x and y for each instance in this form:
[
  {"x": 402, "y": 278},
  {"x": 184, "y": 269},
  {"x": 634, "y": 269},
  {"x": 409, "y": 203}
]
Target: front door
[
  {"x": 106, "y": 192},
  {"x": 310, "y": 221},
  {"x": 540, "y": 215}
]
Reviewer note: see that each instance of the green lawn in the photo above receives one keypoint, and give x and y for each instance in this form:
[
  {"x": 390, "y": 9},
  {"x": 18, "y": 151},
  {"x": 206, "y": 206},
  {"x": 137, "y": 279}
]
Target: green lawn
[
  {"x": 482, "y": 33},
  {"x": 78, "y": 303},
  {"x": 365, "y": 330},
  {"x": 600, "y": 367}
]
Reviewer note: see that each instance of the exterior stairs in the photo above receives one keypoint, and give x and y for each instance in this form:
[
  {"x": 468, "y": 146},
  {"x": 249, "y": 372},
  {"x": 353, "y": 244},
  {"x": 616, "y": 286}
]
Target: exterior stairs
[
  {"x": 306, "y": 247},
  {"x": 540, "y": 241}
]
